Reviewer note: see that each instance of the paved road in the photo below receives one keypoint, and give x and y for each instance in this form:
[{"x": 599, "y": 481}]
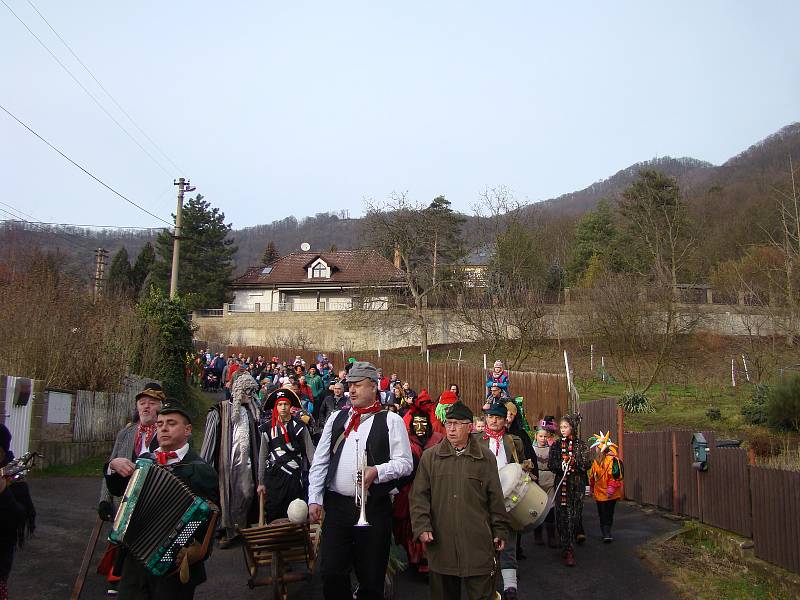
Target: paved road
[{"x": 46, "y": 568}]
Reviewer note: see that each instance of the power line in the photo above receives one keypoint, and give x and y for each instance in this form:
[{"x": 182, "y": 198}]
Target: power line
[
  {"x": 102, "y": 87},
  {"x": 83, "y": 87},
  {"x": 45, "y": 230},
  {"x": 97, "y": 179}
]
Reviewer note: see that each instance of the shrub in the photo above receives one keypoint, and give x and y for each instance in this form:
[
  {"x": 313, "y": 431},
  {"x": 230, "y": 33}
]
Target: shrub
[
  {"x": 713, "y": 414},
  {"x": 783, "y": 405},
  {"x": 635, "y": 402},
  {"x": 754, "y": 410}
]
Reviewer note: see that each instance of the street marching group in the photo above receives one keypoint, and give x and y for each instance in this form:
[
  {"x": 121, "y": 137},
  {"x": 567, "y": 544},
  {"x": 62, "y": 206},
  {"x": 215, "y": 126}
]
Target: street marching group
[{"x": 305, "y": 442}]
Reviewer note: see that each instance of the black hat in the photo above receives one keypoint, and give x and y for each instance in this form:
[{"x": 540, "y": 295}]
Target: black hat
[
  {"x": 498, "y": 409},
  {"x": 5, "y": 438},
  {"x": 281, "y": 394},
  {"x": 459, "y": 412},
  {"x": 154, "y": 391},
  {"x": 170, "y": 405}
]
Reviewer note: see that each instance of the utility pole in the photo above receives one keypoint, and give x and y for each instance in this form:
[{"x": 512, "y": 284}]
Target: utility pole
[
  {"x": 183, "y": 186},
  {"x": 99, "y": 271}
]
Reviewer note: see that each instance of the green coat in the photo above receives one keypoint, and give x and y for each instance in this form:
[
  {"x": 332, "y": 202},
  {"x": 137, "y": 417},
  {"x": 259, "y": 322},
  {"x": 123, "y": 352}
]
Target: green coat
[
  {"x": 459, "y": 500},
  {"x": 317, "y": 387}
]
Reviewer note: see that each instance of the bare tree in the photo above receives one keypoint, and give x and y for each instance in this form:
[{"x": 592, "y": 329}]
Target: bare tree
[
  {"x": 407, "y": 231},
  {"x": 638, "y": 323},
  {"x": 509, "y": 321}
]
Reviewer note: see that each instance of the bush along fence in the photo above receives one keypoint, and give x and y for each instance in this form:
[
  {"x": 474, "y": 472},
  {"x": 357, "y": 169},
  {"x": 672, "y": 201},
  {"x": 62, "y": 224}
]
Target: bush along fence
[
  {"x": 65, "y": 426},
  {"x": 543, "y": 393},
  {"x": 732, "y": 493}
]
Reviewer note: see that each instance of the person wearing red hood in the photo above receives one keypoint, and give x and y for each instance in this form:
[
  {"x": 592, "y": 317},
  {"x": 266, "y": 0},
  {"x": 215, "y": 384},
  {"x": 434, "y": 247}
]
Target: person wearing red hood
[{"x": 423, "y": 404}]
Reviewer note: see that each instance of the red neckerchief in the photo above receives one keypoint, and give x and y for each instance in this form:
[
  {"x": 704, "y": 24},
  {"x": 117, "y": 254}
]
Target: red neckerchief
[
  {"x": 276, "y": 421},
  {"x": 497, "y": 436},
  {"x": 148, "y": 431},
  {"x": 355, "y": 420},
  {"x": 163, "y": 457}
]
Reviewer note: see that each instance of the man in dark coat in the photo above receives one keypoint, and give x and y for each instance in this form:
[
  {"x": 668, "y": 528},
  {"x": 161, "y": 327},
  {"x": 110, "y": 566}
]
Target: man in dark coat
[
  {"x": 17, "y": 513},
  {"x": 457, "y": 511},
  {"x": 174, "y": 429}
]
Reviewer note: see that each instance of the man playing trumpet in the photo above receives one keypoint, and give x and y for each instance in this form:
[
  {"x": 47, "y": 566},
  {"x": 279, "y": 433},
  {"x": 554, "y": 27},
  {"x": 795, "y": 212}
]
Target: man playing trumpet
[{"x": 334, "y": 484}]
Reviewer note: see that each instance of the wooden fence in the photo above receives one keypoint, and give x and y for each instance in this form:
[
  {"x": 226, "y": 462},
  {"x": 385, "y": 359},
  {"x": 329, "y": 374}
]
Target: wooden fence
[
  {"x": 731, "y": 494},
  {"x": 100, "y": 415},
  {"x": 775, "y": 496},
  {"x": 543, "y": 393}
]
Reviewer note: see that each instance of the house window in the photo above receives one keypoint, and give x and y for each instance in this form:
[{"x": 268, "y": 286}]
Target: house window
[{"x": 318, "y": 270}]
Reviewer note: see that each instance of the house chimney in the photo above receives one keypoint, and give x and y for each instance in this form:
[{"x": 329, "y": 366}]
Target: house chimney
[{"x": 397, "y": 256}]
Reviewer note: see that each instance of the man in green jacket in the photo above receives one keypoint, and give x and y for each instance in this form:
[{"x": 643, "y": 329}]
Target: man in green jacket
[{"x": 457, "y": 511}]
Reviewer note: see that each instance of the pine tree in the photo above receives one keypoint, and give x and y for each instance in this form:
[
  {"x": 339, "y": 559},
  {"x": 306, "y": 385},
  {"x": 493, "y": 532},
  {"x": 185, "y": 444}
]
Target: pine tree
[
  {"x": 142, "y": 266},
  {"x": 270, "y": 254},
  {"x": 206, "y": 258},
  {"x": 119, "y": 274}
]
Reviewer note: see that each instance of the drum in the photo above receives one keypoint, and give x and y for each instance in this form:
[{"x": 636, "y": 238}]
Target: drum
[{"x": 525, "y": 501}]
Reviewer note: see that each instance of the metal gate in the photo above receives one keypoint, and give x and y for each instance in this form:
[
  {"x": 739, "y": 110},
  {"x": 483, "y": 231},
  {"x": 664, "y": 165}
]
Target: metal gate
[{"x": 19, "y": 408}]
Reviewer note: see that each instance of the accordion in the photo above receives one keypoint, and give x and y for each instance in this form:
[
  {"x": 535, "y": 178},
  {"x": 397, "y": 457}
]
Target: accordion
[{"x": 157, "y": 517}]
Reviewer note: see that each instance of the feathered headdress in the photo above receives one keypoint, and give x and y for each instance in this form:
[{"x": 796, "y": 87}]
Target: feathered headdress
[{"x": 603, "y": 441}]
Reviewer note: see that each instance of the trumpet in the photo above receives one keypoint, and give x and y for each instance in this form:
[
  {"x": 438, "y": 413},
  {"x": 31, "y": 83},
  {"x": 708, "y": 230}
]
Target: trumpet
[{"x": 361, "y": 487}]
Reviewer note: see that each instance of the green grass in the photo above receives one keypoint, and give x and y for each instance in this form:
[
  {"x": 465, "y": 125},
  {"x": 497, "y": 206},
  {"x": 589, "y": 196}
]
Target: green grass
[
  {"x": 678, "y": 405},
  {"x": 92, "y": 467},
  {"x": 703, "y": 564}
]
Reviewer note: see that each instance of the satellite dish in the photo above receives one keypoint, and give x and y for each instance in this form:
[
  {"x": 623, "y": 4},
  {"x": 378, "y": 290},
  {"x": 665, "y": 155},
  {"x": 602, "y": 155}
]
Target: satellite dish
[{"x": 305, "y": 246}]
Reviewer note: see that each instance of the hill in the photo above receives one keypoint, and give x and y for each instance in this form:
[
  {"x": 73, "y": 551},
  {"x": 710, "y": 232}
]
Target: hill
[{"x": 731, "y": 196}]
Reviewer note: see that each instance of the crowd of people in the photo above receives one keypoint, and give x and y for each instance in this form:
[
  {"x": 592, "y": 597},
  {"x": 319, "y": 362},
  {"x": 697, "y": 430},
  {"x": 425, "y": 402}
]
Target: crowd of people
[{"x": 288, "y": 431}]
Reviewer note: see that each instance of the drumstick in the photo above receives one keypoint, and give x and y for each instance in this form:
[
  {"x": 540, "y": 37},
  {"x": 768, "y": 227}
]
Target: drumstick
[
  {"x": 261, "y": 497},
  {"x": 87, "y": 557}
]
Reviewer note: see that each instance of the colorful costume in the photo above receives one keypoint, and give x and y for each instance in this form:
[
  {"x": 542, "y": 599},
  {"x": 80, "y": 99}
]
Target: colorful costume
[
  {"x": 284, "y": 457},
  {"x": 421, "y": 436},
  {"x": 568, "y": 454},
  {"x": 423, "y": 404},
  {"x": 605, "y": 480}
]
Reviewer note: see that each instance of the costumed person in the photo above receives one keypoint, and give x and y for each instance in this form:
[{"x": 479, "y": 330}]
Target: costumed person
[
  {"x": 605, "y": 480},
  {"x": 132, "y": 441},
  {"x": 458, "y": 511},
  {"x": 568, "y": 461},
  {"x": 230, "y": 445},
  {"x": 506, "y": 448},
  {"x": 174, "y": 428},
  {"x": 423, "y": 404},
  {"x": 446, "y": 399},
  {"x": 421, "y": 437},
  {"x": 498, "y": 377},
  {"x": 17, "y": 514},
  {"x": 546, "y": 481},
  {"x": 284, "y": 456},
  {"x": 334, "y": 478}
]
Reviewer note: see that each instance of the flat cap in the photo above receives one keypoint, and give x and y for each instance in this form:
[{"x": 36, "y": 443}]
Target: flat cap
[{"x": 362, "y": 370}]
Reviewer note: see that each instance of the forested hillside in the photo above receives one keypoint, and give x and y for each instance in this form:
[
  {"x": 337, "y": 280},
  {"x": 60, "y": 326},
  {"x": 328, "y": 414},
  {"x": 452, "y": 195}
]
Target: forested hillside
[{"x": 733, "y": 204}]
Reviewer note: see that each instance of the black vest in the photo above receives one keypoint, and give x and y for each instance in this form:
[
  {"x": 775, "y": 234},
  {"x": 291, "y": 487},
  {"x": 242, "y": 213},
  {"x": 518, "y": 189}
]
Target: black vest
[{"x": 377, "y": 450}]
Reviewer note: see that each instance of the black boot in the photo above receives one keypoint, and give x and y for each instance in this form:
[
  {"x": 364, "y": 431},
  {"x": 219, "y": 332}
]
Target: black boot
[
  {"x": 606, "y": 529},
  {"x": 550, "y": 529}
]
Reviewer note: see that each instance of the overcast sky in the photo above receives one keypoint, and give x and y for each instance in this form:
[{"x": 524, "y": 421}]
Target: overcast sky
[{"x": 293, "y": 108}]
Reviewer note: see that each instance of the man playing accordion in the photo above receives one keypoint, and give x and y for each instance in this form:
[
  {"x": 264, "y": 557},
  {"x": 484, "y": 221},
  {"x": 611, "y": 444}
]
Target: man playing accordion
[{"x": 174, "y": 427}]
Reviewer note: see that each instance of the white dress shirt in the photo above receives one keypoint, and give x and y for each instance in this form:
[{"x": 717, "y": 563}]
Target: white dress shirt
[
  {"x": 502, "y": 459},
  {"x": 400, "y": 461}
]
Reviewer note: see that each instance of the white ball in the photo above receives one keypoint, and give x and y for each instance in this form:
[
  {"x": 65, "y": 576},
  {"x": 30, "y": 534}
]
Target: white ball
[{"x": 298, "y": 511}]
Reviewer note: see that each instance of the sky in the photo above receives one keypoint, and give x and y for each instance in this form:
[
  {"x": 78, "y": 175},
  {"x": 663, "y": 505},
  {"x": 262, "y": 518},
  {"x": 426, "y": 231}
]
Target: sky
[{"x": 295, "y": 108}]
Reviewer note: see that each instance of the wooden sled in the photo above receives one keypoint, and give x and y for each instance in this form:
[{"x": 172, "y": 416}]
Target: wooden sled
[{"x": 270, "y": 549}]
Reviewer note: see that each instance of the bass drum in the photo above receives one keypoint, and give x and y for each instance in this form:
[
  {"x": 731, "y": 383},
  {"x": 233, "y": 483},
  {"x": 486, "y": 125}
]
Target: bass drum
[{"x": 525, "y": 501}]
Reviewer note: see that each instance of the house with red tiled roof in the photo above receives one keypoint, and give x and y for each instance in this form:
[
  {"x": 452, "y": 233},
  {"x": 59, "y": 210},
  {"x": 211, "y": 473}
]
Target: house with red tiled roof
[{"x": 311, "y": 281}]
